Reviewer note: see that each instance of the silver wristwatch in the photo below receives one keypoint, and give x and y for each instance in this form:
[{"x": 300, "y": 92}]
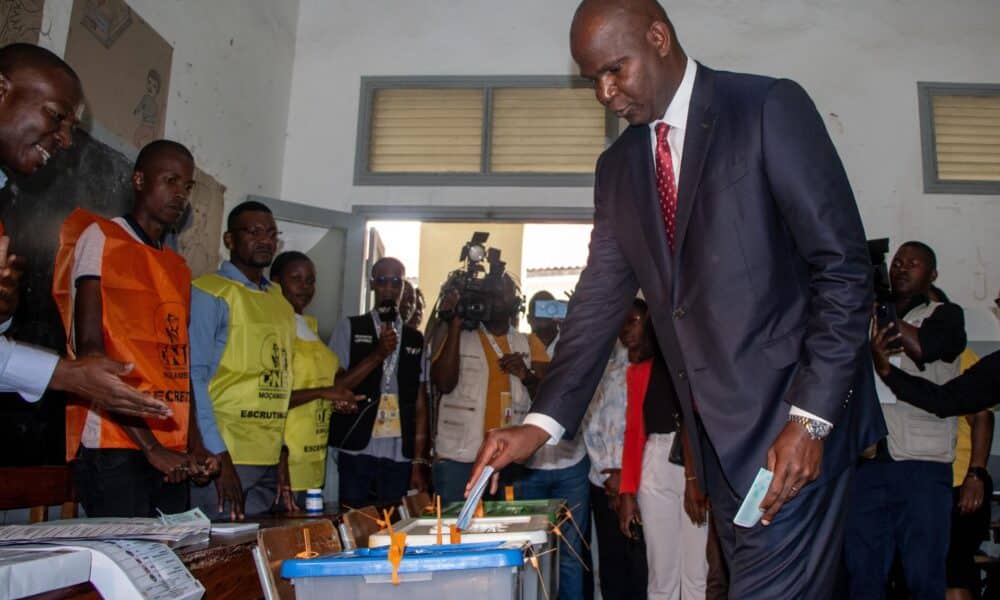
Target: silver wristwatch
[{"x": 817, "y": 430}]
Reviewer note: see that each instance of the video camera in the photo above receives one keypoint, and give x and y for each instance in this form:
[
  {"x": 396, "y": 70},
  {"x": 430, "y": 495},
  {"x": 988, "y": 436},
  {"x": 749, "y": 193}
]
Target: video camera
[{"x": 477, "y": 288}]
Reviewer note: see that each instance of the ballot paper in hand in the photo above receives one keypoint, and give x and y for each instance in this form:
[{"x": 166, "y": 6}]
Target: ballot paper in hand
[
  {"x": 750, "y": 512},
  {"x": 475, "y": 495}
]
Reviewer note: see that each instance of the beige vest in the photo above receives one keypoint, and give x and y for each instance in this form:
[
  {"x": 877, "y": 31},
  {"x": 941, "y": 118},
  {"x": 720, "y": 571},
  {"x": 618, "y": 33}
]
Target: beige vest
[
  {"x": 915, "y": 434},
  {"x": 462, "y": 413}
]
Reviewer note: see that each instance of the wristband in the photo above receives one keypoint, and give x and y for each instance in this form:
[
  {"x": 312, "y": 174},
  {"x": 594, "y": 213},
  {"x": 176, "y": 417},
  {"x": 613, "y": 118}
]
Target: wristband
[{"x": 979, "y": 473}]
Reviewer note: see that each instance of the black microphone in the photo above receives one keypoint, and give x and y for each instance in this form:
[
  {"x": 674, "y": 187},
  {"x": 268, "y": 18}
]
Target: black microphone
[{"x": 387, "y": 312}]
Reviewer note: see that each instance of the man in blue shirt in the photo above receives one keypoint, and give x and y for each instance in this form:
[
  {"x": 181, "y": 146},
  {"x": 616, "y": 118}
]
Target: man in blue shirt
[
  {"x": 241, "y": 335},
  {"x": 40, "y": 104}
]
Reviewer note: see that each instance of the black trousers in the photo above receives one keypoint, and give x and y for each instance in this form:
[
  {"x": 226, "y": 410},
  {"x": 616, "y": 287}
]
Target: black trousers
[
  {"x": 622, "y": 562},
  {"x": 122, "y": 483},
  {"x": 366, "y": 480},
  {"x": 798, "y": 554}
]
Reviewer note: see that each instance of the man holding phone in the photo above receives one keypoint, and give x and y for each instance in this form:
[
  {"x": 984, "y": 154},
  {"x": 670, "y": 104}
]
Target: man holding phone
[{"x": 902, "y": 490}]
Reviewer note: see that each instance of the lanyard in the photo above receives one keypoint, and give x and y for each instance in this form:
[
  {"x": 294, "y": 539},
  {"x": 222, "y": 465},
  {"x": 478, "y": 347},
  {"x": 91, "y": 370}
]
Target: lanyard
[
  {"x": 390, "y": 364},
  {"x": 493, "y": 342}
]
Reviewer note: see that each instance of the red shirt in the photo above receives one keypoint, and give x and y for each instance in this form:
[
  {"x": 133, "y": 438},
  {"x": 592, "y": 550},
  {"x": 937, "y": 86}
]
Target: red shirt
[{"x": 637, "y": 382}]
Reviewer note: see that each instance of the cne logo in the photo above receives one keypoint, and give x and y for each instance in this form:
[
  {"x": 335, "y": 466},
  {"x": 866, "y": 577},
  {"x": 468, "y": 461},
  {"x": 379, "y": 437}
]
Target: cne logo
[
  {"x": 322, "y": 424},
  {"x": 273, "y": 380},
  {"x": 171, "y": 339}
]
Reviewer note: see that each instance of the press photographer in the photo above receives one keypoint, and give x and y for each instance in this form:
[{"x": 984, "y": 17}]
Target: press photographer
[{"x": 482, "y": 369}]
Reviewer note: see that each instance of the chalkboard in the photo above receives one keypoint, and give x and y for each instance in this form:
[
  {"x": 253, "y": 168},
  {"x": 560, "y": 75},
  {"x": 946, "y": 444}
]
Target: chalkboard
[{"x": 90, "y": 175}]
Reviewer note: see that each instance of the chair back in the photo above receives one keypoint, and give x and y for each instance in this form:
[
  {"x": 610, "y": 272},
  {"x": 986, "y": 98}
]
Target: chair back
[
  {"x": 37, "y": 488},
  {"x": 277, "y": 544}
]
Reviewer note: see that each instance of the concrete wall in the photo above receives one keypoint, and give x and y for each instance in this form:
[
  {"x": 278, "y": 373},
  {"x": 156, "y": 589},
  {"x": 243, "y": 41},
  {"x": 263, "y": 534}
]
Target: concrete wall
[
  {"x": 229, "y": 83},
  {"x": 860, "y": 63}
]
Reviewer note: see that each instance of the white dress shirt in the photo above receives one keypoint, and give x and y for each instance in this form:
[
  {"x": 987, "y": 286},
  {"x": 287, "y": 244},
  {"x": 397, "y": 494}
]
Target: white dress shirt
[
  {"x": 23, "y": 369},
  {"x": 676, "y": 116}
]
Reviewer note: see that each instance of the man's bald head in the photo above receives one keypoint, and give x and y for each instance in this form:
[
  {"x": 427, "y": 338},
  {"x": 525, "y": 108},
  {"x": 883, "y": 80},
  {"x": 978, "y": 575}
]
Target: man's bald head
[
  {"x": 645, "y": 10},
  {"x": 40, "y": 102},
  {"x": 629, "y": 49}
]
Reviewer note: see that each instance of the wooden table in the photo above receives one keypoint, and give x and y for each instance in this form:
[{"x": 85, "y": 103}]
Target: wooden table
[{"x": 224, "y": 564}]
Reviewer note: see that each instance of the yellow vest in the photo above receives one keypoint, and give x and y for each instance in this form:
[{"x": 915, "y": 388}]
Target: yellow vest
[
  {"x": 963, "y": 444},
  {"x": 308, "y": 425},
  {"x": 253, "y": 382}
]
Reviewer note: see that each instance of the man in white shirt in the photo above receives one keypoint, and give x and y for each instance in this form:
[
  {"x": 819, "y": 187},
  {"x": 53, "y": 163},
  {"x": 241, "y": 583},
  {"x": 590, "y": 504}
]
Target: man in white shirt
[{"x": 40, "y": 104}]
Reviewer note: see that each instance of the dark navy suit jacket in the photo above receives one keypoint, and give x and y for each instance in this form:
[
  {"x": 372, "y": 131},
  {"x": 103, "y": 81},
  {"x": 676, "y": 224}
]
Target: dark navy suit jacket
[{"x": 765, "y": 303}]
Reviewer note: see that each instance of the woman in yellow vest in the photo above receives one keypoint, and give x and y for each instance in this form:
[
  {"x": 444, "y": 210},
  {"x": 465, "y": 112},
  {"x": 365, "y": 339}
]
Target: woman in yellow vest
[{"x": 303, "y": 459}]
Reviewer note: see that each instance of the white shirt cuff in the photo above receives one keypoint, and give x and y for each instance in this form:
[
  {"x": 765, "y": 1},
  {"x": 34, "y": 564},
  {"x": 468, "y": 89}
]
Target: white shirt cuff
[
  {"x": 798, "y": 412},
  {"x": 29, "y": 370},
  {"x": 548, "y": 425}
]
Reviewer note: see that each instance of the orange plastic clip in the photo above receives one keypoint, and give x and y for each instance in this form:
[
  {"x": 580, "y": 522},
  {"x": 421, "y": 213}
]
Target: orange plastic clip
[{"x": 396, "y": 551}]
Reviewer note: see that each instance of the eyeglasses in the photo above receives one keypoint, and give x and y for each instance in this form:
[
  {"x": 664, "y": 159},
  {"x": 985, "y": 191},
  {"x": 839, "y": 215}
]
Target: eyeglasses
[
  {"x": 394, "y": 281},
  {"x": 260, "y": 233}
]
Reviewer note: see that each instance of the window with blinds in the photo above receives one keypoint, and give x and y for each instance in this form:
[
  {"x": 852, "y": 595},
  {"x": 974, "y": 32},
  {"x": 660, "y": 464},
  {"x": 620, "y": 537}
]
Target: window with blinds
[
  {"x": 426, "y": 131},
  {"x": 961, "y": 134},
  {"x": 546, "y": 130},
  {"x": 517, "y": 131}
]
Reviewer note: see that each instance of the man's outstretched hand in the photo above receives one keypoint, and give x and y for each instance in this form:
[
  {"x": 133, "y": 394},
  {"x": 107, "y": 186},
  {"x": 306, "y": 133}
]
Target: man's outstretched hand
[
  {"x": 504, "y": 446},
  {"x": 98, "y": 379}
]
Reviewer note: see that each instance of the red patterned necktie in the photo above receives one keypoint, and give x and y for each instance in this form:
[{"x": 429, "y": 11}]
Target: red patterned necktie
[{"x": 666, "y": 183}]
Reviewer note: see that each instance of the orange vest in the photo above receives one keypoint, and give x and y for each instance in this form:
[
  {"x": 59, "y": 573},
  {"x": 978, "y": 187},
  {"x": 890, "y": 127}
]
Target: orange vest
[{"x": 146, "y": 297}]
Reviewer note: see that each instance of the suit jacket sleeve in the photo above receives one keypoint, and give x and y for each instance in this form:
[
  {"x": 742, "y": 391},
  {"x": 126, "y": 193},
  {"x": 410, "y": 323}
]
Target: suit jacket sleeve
[
  {"x": 815, "y": 200},
  {"x": 975, "y": 390},
  {"x": 596, "y": 312}
]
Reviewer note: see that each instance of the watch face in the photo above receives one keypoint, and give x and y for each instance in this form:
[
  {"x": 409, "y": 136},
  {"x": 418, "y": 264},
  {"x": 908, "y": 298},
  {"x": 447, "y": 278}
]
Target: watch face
[{"x": 818, "y": 430}]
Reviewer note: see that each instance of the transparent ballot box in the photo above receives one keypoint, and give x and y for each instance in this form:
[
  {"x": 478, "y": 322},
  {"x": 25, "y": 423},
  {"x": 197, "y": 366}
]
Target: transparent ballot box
[
  {"x": 533, "y": 533},
  {"x": 489, "y": 571}
]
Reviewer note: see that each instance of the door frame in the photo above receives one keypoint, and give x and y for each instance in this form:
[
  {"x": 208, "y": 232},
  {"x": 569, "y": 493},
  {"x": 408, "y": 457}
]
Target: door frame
[{"x": 353, "y": 225}]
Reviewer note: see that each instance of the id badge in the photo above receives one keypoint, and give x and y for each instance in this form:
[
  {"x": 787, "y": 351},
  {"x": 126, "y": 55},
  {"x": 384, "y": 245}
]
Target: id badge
[
  {"x": 387, "y": 419},
  {"x": 507, "y": 409}
]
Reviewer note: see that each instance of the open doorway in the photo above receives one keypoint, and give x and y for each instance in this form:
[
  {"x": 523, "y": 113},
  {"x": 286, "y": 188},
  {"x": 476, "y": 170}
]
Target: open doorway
[{"x": 539, "y": 256}]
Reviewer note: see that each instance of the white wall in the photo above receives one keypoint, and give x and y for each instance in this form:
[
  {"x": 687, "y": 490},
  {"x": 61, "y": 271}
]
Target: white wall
[
  {"x": 860, "y": 61},
  {"x": 229, "y": 83}
]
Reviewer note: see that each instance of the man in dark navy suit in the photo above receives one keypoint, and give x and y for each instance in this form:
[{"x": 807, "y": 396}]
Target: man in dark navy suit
[{"x": 726, "y": 203}]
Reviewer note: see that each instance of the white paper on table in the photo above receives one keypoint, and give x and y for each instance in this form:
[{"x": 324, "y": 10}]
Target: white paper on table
[
  {"x": 138, "y": 570},
  {"x": 106, "y": 529},
  {"x": 234, "y": 528},
  {"x": 29, "y": 570}
]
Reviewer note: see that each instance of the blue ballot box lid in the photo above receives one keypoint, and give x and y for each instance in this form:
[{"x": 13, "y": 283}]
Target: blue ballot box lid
[{"x": 416, "y": 559}]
